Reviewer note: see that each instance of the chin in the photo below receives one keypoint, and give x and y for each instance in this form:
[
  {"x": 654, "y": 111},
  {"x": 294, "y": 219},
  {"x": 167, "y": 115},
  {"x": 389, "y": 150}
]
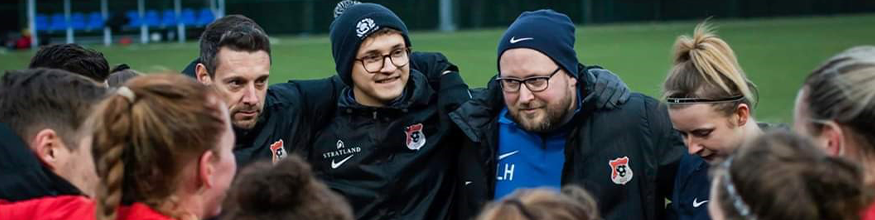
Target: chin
[
  {"x": 244, "y": 124},
  {"x": 388, "y": 96}
]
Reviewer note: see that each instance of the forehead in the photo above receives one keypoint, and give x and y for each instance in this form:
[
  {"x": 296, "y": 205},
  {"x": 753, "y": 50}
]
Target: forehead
[
  {"x": 522, "y": 62},
  {"x": 691, "y": 117},
  {"x": 381, "y": 42},
  {"x": 801, "y": 103},
  {"x": 231, "y": 63}
]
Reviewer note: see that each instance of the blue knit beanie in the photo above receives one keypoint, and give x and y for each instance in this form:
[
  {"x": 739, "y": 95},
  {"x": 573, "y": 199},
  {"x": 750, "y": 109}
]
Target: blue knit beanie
[
  {"x": 546, "y": 31},
  {"x": 353, "y": 23}
]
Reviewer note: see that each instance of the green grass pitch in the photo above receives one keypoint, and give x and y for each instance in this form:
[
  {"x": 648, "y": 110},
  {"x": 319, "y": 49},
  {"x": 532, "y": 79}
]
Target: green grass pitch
[{"x": 775, "y": 53}]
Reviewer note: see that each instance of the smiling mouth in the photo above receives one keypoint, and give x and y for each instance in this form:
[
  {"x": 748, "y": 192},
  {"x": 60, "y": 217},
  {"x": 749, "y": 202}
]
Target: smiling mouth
[{"x": 388, "y": 80}]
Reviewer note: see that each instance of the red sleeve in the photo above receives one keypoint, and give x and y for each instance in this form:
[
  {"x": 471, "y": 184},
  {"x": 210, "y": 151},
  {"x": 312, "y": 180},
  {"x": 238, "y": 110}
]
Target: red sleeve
[
  {"x": 48, "y": 208},
  {"x": 869, "y": 213}
]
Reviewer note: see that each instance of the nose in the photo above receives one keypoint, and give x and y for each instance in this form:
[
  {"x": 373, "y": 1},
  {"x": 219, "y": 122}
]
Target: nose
[
  {"x": 693, "y": 147},
  {"x": 526, "y": 95},
  {"x": 250, "y": 95},
  {"x": 388, "y": 66}
]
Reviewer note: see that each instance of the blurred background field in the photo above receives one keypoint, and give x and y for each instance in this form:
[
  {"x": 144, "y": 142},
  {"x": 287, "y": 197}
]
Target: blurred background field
[{"x": 776, "y": 52}]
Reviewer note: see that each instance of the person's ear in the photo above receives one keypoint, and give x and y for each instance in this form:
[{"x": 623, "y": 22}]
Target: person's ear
[
  {"x": 833, "y": 136},
  {"x": 206, "y": 169},
  {"x": 572, "y": 81},
  {"x": 202, "y": 75},
  {"x": 47, "y": 146},
  {"x": 742, "y": 114}
]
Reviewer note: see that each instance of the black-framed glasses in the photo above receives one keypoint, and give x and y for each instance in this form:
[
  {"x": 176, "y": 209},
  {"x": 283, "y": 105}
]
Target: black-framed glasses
[
  {"x": 373, "y": 63},
  {"x": 535, "y": 83}
]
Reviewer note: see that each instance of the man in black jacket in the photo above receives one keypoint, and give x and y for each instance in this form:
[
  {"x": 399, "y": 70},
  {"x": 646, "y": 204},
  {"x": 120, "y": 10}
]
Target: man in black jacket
[
  {"x": 387, "y": 146},
  {"x": 538, "y": 124},
  {"x": 272, "y": 121},
  {"x": 45, "y": 144}
]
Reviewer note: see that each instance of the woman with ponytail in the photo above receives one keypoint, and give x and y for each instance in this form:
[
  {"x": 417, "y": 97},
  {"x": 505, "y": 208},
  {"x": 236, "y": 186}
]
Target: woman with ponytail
[
  {"x": 836, "y": 106},
  {"x": 783, "y": 176},
  {"x": 163, "y": 150},
  {"x": 711, "y": 103}
]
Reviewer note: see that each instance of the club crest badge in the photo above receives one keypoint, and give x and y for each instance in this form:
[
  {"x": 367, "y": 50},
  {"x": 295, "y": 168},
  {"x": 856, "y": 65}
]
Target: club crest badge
[
  {"x": 621, "y": 172},
  {"x": 278, "y": 151},
  {"x": 364, "y": 27},
  {"x": 415, "y": 137}
]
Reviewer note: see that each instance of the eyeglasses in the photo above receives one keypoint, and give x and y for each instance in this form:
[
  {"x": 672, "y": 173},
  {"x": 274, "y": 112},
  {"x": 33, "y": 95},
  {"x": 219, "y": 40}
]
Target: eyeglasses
[
  {"x": 373, "y": 63},
  {"x": 534, "y": 84}
]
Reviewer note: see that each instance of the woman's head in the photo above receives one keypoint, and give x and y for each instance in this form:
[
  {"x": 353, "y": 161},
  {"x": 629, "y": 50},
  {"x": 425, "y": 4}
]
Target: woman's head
[
  {"x": 710, "y": 99},
  {"x": 163, "y": 140},
  {"x": 572, "y": 203},
  {"x": 836, "y": 105},
  {"x": 286, "y": 190},
  {"x": 784, "y": 176}
]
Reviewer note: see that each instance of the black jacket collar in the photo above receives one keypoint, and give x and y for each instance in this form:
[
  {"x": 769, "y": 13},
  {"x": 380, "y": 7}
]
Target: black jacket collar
[{"x": 23, "y": 176}]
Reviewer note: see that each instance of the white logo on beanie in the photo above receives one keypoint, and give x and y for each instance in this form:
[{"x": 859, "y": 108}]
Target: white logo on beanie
[
  {"x": 364, "y": 26},
  {"x": 513, "y": 39}
]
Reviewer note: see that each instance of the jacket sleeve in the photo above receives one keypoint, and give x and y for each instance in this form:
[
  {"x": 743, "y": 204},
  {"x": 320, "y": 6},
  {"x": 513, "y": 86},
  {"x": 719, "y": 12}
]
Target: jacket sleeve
[
  {"x": 311, "y": 104},
  {"x": 443, "y": 77},
  {"x": 669, "y": 147},
  {"x": 432, "y": 65}
]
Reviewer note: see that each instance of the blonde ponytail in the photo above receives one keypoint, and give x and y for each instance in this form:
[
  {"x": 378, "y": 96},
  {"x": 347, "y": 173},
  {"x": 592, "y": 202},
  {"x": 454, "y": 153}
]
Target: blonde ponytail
[{"x": 705, "y": 67}]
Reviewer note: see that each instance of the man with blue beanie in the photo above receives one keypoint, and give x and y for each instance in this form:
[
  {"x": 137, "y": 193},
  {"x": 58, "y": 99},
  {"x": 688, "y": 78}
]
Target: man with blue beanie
[
  {"x": 539, "y": 124},
  {"x": 386, "y": 146}
]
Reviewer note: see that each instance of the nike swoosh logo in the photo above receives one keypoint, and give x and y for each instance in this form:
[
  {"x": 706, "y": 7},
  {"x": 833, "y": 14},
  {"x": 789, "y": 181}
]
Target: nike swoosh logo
[
  {"x": 336, "y": 165},
  {"x": 468, "y": 183},
  {"x": 696, "y": 203},
  {"x": 513, "y": 40},
  {"x": 502, "y": 156}
]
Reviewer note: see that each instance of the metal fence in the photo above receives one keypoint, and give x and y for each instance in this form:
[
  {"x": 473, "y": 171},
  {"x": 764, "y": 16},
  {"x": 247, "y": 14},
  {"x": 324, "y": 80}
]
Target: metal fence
[{"x": 314, "y": 16}]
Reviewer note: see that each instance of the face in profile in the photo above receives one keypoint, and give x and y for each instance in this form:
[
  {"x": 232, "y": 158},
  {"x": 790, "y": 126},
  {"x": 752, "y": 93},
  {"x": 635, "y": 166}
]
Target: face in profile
[
  {"x": 78, "y": 167},
  {"x": 802, "y": 122},
  {"x": 225, "y": 167},
  {"x": 241, "y": 79},
  {"x": 707, "y": 133},
  {"x": 381, "y": 69},
  {"x": 539, "y": 95}
]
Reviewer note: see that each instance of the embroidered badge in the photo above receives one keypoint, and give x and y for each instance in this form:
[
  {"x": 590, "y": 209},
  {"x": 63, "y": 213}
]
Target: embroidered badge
[
  {"x": 621, "y": 172},
  {"x": 278, "y": 151},
  {"x": 415, "y": 137},
  {"x": 364, "y": 27}
]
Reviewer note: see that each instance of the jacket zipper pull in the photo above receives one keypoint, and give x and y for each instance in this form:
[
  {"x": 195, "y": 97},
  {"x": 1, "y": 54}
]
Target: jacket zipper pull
[{"x": 375, "y": 114}]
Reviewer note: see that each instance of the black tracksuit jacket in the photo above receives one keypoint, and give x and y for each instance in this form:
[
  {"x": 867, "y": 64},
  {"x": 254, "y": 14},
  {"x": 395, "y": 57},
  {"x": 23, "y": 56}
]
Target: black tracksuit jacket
[
  {"x": 640, "y": 130},
  {"x": 396, "y": 162}
]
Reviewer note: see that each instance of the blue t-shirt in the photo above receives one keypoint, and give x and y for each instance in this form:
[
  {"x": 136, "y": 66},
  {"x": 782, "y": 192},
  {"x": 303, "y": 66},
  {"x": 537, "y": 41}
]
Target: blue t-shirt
[
  {"x": 527, "y": 160},
  {"x": 692, "y": 189}
]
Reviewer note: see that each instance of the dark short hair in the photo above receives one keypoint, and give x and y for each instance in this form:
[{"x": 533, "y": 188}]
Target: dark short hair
[
  {"x": 287, "y": 190},
  {"x": 236, "y": 32},
  {"x": 74, "y": 58},
  {"x": 35, "y": 99},
  {"x": 118, "y": 78}
]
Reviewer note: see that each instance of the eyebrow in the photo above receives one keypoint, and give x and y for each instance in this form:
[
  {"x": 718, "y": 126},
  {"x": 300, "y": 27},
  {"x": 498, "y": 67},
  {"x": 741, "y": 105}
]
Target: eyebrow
[
  {"x": 377, "y": 51},
  {"x": 695, "y": 129}
]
